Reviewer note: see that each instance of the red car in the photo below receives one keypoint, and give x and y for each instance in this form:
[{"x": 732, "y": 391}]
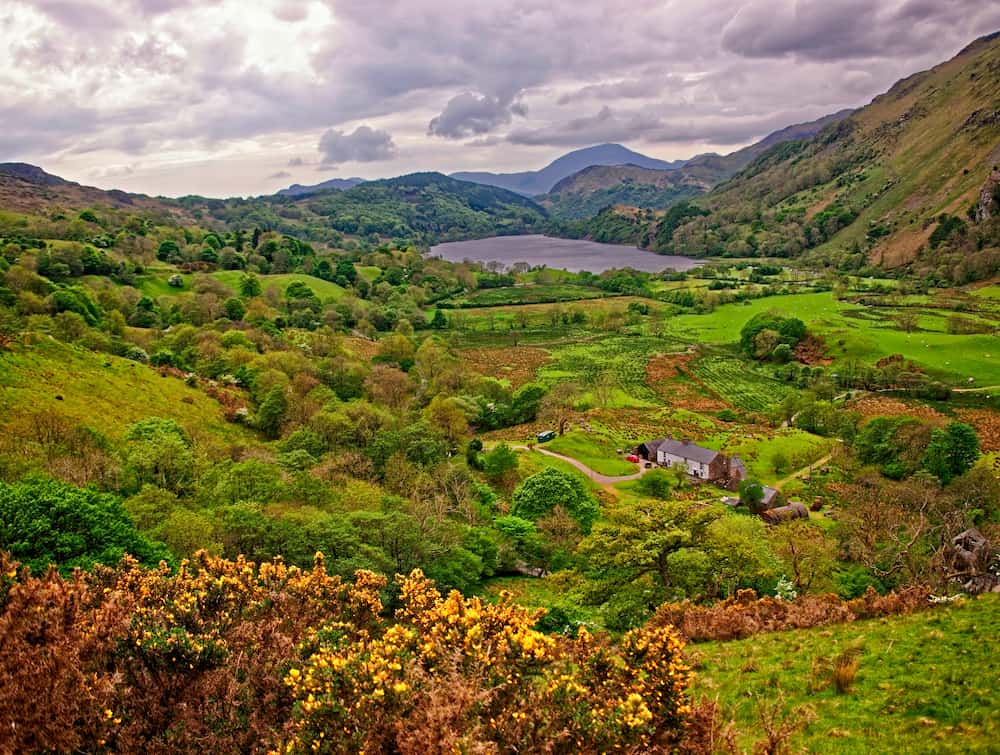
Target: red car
[{"x": 633, "y": 458}]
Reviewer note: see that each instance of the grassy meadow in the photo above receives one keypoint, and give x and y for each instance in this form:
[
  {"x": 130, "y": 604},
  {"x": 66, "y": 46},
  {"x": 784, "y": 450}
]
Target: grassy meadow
[{"x": 924, "y": 683}]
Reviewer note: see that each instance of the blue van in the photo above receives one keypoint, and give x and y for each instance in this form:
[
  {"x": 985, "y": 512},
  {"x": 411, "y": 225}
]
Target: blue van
[{"x": 546, "y": 436}]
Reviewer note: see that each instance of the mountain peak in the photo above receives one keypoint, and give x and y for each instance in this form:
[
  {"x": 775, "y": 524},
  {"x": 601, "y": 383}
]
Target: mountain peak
[
  {"x": 535, "y": 182},
  {"x": 32, "y": 174}
]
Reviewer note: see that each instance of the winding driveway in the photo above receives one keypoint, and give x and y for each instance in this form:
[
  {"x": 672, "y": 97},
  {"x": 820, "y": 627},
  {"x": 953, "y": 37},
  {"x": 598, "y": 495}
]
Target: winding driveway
[{"x": 600, "y": 479}]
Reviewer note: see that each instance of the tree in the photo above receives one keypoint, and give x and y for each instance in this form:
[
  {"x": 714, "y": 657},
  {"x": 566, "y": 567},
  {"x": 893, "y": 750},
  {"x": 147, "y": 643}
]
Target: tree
[
  {"x": 500, "y": 464},
  {"x": 752, "y": 495},
  {"x": 439, "y": 321},
  {"x": 540, "y": 493},
  {"x": 46, "y": 522},
  {"x": 159, "y": 453},
  {"x": 272, "y": 412},
  {"x": 636, "y": 540},
  {"x": 658, "y": 483},
  {"x": 807, "y": 555},
  {"x": 740, "y": 554},
  {"x": 250, "y": 286},
  {"x": 558, "y": 404},
  {"x": 447, "y": 415},
  {"x": 952, "y": 451},
  {"x": 234, "y": 309}
]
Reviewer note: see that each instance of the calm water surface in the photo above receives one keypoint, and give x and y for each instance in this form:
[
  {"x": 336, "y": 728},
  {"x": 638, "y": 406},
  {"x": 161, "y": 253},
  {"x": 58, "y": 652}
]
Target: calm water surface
[{"x": 567, "y": 254}]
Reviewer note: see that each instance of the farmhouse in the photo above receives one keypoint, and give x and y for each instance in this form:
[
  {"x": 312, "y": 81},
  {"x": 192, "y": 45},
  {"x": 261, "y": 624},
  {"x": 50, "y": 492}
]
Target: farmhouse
[
  {"x": 700, "y": 462},
  {"x": 697, "y": 461}
]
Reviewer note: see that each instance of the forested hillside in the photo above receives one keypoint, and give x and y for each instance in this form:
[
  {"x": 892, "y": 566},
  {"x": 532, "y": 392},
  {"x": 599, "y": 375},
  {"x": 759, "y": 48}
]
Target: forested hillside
[{"x": 422, "y": 207}]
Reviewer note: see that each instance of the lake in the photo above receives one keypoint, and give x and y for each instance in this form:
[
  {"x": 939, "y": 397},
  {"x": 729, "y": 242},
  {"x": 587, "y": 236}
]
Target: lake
[{"x": 566, "y": 254}]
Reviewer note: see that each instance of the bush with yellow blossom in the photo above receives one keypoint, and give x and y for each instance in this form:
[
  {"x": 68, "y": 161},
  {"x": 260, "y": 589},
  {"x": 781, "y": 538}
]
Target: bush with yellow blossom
[{"x": 456, "y": 674}]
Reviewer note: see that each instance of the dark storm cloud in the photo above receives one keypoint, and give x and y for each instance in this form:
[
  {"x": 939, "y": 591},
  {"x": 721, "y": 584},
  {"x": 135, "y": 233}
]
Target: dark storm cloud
[
  {"x": 363, "y": 145},
  {"x": 608, "y": 125},
  {"x": 848, "y": 29},
  {"x": 500, "y": 79},
  {"x": 470, "y": 114},
  {"x": 41, "y": 126}
]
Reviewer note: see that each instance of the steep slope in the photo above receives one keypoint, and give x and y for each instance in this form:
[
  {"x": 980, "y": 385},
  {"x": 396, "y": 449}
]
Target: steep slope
[
  {"x": 28, "y": 189},
  {"x": 535, "y": 182},
  {"x": 908, "y": 180},
  {"x": 589, "y": 191},
  {"x": 296, "y": 190}
]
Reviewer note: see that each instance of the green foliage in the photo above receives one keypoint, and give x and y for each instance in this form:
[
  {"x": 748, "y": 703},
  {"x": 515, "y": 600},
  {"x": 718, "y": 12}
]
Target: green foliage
[
  {"x": 250, "y": 286},
  {"x": 499, "y": 462},
  {"x": 271, "y": 413},
  {"x": 779, "y": 330},
  {"x": 542, "y": 492},
  {"x": 234, "y": 309},
  {"x": 46, "y": 522},
  {"x": 952, "y": 451},
  {"x": 159, "y": 453},
  {"x": 657, "y": 483},
  {"x": 751, "y": 494}
]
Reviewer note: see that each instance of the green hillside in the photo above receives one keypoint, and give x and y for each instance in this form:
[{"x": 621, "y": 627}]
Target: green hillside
[
  {"x": 425, "y": 207},
  {"x": 591, "y": 190},
  {"x": 924, "y": 682},
  {"x": 103, "y": 392}
]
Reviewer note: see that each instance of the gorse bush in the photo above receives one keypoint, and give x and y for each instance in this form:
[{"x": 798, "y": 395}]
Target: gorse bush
[{"x": 229, "y": 656}]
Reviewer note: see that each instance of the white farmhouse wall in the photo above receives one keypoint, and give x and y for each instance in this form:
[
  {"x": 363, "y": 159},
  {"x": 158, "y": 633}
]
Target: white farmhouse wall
[{"x": 694, "y": 468}]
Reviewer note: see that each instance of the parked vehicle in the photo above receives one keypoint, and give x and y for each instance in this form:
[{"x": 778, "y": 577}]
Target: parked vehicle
[
  {"x": 633, "y": 458},
  {"x": 546, "y": 436}
]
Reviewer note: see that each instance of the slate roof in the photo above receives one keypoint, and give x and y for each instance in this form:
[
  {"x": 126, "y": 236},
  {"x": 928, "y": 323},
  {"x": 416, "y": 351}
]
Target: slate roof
[
  {"x": 688, "y": 451},
  {"x": 652, "y": 446}
]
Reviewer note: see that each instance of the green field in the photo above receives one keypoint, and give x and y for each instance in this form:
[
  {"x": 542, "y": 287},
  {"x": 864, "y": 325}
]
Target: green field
[
  {"x": 851, "y": 331},
  {"x": 925, "y": 682},
  {"x": 737, "y": 382},
  {"x": 325, "y": 290},
  {"x": 798, "y": 448},
  {"x": 513, "y": 295},
  {"x": 595, "y": 451},
  {"x": 618, "y": 363}
]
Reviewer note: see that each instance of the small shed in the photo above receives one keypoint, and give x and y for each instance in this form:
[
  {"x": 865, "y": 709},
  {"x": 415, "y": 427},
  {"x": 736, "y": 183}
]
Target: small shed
[
  {"x": 648, "y": 449},
  {"x": 785, "y": 513}
]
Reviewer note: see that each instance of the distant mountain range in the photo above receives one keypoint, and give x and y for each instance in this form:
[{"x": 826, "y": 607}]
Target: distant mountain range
[
  {"x": 590, "y": 190},
  {"x": 534, "y": 182},
  {"x": 342, "y": 184}
]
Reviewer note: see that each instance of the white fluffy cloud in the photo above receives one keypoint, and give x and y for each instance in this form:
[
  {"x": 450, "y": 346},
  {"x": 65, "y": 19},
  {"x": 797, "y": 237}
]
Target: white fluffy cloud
[{"x": 181, "y": 88}]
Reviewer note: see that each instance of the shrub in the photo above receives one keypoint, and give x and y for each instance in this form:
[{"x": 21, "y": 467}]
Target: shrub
[
  {"x": 745, "y": 615},
  {"x": 457, "y": 674}
]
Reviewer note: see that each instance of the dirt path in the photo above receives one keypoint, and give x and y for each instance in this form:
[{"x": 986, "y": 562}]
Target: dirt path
[
  {"x": 801, "y": 472},
  {"x": 600, "y": 479}
]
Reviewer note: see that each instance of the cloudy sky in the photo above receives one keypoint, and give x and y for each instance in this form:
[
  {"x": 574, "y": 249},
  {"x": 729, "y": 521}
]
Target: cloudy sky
[{"x": 236, "y": 97}]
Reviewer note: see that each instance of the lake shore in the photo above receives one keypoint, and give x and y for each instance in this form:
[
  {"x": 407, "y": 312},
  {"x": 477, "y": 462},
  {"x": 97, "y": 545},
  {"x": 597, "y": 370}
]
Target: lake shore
[{"x": 566, "y": 254}]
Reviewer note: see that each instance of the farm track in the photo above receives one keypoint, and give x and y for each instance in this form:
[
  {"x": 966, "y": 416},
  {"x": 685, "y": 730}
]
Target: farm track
[
  {"x": 600, "y": 479},
  {"x": 780, "y": 484}
]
